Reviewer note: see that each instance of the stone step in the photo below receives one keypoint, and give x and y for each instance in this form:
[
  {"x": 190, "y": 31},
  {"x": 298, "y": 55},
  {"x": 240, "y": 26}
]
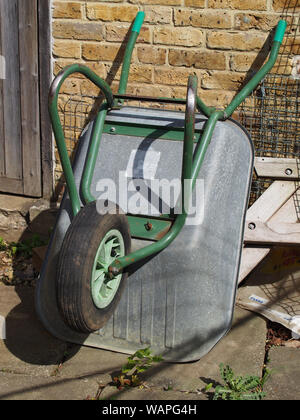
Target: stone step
[{"x": 22, "y": 216}]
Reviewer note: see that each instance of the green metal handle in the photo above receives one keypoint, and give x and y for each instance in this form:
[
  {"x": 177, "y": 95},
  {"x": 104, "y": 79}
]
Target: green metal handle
[
  {"x": 128, "y": 52},
  {"x": 57, "y": 127},
  {"x": 280, "y": 31},
  {"x": 138, "y": 22},
  {"x": 259, "y": 76},
  {"x": 253, "y": 83}
]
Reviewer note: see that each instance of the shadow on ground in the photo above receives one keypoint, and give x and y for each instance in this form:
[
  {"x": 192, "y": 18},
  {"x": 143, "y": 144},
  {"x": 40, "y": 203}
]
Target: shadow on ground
[{"x": 26, "y": 337}]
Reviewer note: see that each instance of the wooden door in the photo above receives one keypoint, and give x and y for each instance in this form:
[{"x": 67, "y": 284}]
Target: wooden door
[{"x": 20, "y": 139}]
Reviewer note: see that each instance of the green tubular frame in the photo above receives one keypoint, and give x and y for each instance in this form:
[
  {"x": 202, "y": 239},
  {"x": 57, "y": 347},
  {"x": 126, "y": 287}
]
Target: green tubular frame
[
  {"x": 136, "y": 27},
  {"x": 57, "y": 127},
  {"x": 190, "y": 164}
]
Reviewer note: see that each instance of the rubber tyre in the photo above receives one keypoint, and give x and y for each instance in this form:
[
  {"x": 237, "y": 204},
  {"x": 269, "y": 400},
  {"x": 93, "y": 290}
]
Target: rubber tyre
[{"x": 75, "y": 268}]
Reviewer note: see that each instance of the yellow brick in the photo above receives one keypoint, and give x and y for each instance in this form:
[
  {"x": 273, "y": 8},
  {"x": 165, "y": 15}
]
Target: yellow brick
[
  {"x": 67, "y": 10},
  {"x": 203, "y": 19},
  {"x": 158, "y": 2},
  {"x": 216, "y": 98},
  {"x": 98, "y": 68},
  {"x": 140, "y": 73},
  {"x": 104, "y": 52},
  {"x": 117, "y": 33},
  {"x": 152, "y": 55},
  {"x": 283, "y": 67},
  {"x": 60, "y": 64},
  {"x": 70, "y": 87},
  {"x": 238, "y": 4},
  {"x": 67, "y": 49},
  {"x": 155, "y": 15},
  {"x": 222, "y": 80},
  {"x": 291, "y": 46},
  {"x": 178, "y": 92},
  {"x": 89, "y": 31},
  {"x": 194, "y": 3},
  {"x": 242, "y": 41},
  {"x": 287, "y": 6},
  {"x": 153, "y": 90},
  {"x": 199, "y": 59},
  {"x": 188, "y": 37},
  {"x": 89, "y": 88},
  {"x": 104, "y": 1},
  {"x": 264, "y": 22},
  {"x": 243, "y": 62},
  {"x": 171, "y": 76},
  {"x": 123, "y": 13}
]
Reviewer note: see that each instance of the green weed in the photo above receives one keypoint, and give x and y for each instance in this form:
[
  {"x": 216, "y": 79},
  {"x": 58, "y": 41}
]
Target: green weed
[
  {"x": 138, "y": 363},
  {"x": 23, "y": 248},
  {"x": 248, "y": 387}
]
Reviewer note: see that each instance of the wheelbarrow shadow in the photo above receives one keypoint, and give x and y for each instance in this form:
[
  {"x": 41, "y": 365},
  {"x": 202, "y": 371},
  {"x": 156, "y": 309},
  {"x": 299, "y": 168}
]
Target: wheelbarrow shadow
[{"x": 26, "y": 338}]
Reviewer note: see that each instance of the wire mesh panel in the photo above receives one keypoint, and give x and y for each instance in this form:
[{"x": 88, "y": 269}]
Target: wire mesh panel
[
  {"x": 271, "y": 114},
  {"x": 272, "y": 118}
]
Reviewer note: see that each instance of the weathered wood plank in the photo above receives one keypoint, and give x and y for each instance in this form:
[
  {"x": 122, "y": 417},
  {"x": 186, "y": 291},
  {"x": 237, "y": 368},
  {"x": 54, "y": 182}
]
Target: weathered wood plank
[
  {"x": 8, "y": 185},
  {"x": 29, "y": 82},
  {"x": 2, "y": 77},
  {"x": 261, "y": 233},
  {"x": 289, "y": 212},
  {"x": 251, "y": 257},
  {"x": 45, "y": 72},
  {"x": 11, "y": 90},
  {"x": 271, "y": 200},
  {"x": 278, "y": 168}
]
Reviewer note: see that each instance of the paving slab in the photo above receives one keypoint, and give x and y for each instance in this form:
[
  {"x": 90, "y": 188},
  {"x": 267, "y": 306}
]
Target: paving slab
[
  {"x": 146, "y": 394},
  {"x": 28, "y": 347},
  {"x": 284, "y": 380},
  {"x": 36, "y": 365},
  {"x": 91, "y": 362},
  {"x": 27, "y": 387},
  {"x": 243, "y": 349}
]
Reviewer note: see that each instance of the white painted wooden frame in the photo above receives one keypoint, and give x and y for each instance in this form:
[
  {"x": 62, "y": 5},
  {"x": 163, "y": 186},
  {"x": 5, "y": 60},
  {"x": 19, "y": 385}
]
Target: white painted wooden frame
[{"x": 273, "y": 219}]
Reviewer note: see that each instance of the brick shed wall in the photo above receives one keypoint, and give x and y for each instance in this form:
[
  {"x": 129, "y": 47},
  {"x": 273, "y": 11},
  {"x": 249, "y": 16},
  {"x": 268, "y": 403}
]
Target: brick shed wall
[{"x": 219, "y": 40}]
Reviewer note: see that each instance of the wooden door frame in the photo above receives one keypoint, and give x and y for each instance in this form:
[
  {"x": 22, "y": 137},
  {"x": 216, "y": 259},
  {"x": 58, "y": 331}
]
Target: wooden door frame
[
  {"x": 45, "y": 77},
  {"x": 36, "y": 130}
]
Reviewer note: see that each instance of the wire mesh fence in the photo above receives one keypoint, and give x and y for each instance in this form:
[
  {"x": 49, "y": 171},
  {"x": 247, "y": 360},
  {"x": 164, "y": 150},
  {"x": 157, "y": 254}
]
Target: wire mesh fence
[{"x": 271, "y": 114}]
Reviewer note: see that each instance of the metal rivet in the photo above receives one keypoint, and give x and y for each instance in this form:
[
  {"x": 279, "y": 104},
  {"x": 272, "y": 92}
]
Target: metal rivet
[
  {"x": 148, "y": 226},
  {"x": 288, "y": 171},
  {"x": 251, "y": 226}
]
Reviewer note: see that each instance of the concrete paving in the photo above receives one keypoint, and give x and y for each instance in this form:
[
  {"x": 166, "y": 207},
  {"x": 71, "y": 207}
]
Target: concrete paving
[
  {"x": 36, "y": 366},
  {"x": 284, "y": 381}
]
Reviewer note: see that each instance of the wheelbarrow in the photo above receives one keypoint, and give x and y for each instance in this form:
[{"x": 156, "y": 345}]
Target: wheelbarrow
[{"x": 121, "y": 276}]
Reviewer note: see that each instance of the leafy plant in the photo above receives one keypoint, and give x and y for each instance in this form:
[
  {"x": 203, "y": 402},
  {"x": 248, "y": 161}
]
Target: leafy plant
[
  {"x": 246, "y": 387},
  {"x": 138, "y": 363},
  {"x": 3, "y": 245},
  {"x": 25, "y": 247},
  {"x": 22, "y": 248}
]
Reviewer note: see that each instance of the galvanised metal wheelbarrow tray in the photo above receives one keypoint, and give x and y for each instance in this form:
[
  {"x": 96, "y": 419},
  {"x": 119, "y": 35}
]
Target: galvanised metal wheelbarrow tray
[{"x": 147, "y": 244}]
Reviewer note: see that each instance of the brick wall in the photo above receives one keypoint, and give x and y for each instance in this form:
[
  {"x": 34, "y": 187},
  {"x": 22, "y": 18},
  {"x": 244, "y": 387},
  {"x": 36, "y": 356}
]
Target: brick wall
[{"x": 222, "y": 41}]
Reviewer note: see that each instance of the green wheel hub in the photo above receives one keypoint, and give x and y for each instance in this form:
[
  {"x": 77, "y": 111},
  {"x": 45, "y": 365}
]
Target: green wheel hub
[{"x": 103, "y": 287}]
